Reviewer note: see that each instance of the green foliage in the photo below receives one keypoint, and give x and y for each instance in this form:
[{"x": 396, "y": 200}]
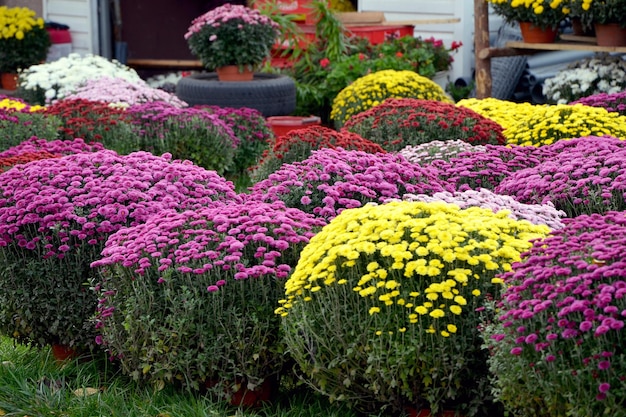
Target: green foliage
[
  {"x": 18, "y": 54},
  {"x": 18, "y": 126},
  {"x": 46, "y": 300}
]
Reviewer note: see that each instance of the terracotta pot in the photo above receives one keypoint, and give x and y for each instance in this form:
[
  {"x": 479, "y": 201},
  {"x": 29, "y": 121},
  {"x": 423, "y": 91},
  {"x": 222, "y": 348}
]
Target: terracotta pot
[
  {"x": 232, "y": 73},
  {"x": 281, "y": 125},
  {"x": 9, "y": 81},
  {"x": 610, "y": 34},
  {"x": 534, "y": 34},
  {"x": 245, "y": 397},
  {"x": 62, "y": 353}
]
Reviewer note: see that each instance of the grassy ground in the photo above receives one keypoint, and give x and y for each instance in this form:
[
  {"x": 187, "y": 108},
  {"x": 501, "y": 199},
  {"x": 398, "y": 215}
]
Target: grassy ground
[{"x": 34, "y": 384}]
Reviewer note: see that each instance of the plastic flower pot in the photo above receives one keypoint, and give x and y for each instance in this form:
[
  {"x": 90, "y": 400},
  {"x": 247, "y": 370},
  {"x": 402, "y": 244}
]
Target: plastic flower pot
[{"x": 281, "y": 125}]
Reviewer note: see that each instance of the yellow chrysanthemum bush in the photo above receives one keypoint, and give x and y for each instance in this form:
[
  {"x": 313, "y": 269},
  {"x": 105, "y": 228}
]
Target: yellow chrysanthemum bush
[
  {"x": 548, "y": 124},
  {"x": 383, "y": 308},
  {"x": 505, "y": 113},
  {"x": 372, "y": 89}
]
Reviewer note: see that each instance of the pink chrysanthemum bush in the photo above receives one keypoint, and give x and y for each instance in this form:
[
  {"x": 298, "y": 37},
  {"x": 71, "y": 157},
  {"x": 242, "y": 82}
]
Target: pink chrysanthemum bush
[
  {"x": 612, "y": 102},
  {"x": 297, "y": 145},
  {"x": 486, "y": 169},
  {"x": 189, "y": 298},
  {"x": 253, "y": 134},
  {"x": 331, "y": 180},
  {"x": 431, "y": 151},
  {"x": 186, "y": 133},
  {"x": 545, "y": 214},
  {"x": 55, "y": 216},
  {"x": 382, "y": 309},
  {"x": 399, "y": 122},
  {"x": 58, "y": 147},
  {"x": 557, "y": 343},
  {"x": 122, "y": 92},
  {"x": 583, "y": 176}
]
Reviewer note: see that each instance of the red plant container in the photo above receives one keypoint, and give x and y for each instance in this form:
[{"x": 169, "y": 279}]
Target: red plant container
[
  {"x": 281, "y": 125},
  {"x": 379, "y": 33}
]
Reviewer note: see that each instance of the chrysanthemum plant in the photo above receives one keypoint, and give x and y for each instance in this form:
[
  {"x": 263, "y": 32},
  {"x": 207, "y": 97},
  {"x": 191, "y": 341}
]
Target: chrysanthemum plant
[
  {"x": 332, "y": 180},
  {"x": 399, "y": 122},
  {"x": 372, "y": 89},
  {"x": 437, "y": 150},
  {"x": 613, "y": 102},
  {"x": 382, "y": 308},
  {"x": 186, "y": 133},
  {"x": 557, "y": 341},
  {"x": 188, "y": 298},
  {"x": 548, "y": 124},
  {"x": 583, "y": 176},
  {"x": 18, "y": 123},
  {"x": 95, "y": 122},
  {"x": 296, "y": 146},
  {"x": 55, "y": 217},
  {"x": 253, "y": 134}
]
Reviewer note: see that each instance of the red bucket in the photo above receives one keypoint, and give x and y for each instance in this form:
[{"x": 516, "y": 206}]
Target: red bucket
[{"x": 281, "y": 125}]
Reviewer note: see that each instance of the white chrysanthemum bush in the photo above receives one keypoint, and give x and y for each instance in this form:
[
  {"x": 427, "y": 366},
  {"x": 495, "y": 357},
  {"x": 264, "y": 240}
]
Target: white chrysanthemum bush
[{"x": 383, "y": 307}]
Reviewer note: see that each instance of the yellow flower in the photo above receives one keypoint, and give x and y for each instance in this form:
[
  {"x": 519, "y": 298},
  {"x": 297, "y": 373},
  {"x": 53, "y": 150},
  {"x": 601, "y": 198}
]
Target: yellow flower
[
  {"x": 455, "y": 309},
  {"x": 451, "y": 328},
  {"x": 437, "y": 313},
  {"x": 374, "y": 310}
]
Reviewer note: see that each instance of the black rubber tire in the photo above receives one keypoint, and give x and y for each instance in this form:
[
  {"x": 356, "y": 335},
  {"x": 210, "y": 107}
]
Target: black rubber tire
[{"x": 271, "y": 94}]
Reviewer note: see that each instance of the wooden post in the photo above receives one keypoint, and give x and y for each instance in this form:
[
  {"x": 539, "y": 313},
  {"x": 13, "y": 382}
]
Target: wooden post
[{"x": 481, "y": 42}]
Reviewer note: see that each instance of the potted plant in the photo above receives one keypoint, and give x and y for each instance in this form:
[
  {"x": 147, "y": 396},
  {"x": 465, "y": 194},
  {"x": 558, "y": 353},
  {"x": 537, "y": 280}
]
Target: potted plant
[
  {"x": 606, "y": 17},
  {"x": 23, "y": 42},
  {"x": 232, "y": 39},
  {"x": 534, "y": 18}
]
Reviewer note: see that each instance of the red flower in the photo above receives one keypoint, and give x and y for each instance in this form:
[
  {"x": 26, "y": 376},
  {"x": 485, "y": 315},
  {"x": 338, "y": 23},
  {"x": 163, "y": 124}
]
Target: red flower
[
  {"x": 399, "y": 54},
  {"x": 324, "y": 62},
  {"x": 361, "y": 57}
]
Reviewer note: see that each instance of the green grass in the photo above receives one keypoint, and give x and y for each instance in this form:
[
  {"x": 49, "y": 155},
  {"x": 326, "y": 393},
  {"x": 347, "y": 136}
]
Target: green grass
[{"x": 34, "y": 384}]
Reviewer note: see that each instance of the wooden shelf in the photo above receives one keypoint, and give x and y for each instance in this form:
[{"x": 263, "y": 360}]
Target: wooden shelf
[{"x": 565, "y": 46}]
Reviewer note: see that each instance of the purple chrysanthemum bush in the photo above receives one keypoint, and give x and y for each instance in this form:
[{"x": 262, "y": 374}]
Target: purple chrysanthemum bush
[
  {"x": 189, "y": 297},
  {"x": 55, "y": 216},
  {"x": 331, "y": 180},
  {"x": 582, "y": 176},
  {"x": 557, "y": 343}
]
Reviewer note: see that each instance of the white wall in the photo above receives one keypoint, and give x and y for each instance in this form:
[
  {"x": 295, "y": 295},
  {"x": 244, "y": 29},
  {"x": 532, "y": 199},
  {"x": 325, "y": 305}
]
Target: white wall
[
  {"x": 82, "y": 18},
  {"x": 461, "y": 31}
]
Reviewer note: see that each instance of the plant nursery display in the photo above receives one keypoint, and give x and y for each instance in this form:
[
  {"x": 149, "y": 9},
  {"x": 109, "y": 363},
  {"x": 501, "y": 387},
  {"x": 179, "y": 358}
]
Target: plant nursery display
[
  {"x": 232, "y": 36},
  {"x": 23, "y": 41},
  {"x": 557, "y": 340},
  {"x": 372, "y": 89},
  {"x": 383, "y": 307},
  {"x": 400, "y": 122},
  {"x": 55, "y": 217}
]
